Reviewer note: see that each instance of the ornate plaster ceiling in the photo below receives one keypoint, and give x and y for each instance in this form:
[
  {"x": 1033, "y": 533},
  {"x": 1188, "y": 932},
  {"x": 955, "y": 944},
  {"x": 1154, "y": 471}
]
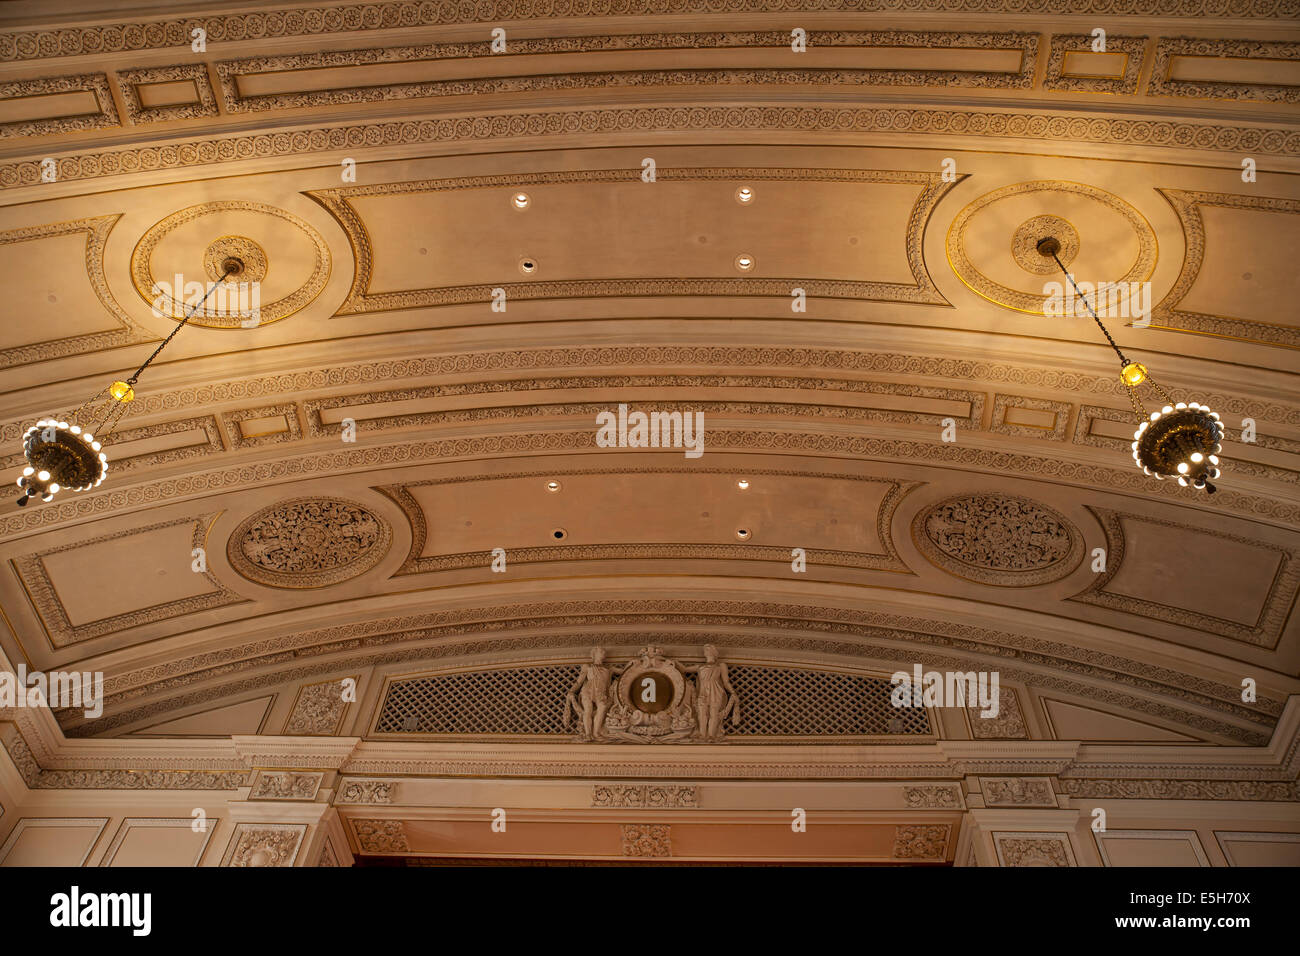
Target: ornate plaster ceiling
[{"x": 328, "y": 558}]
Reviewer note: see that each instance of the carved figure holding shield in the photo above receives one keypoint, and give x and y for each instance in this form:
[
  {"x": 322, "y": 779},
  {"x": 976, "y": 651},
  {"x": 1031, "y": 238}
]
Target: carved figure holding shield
[
  {"x": 593, "y": 689},
  {"x": 715, "y": 697}
]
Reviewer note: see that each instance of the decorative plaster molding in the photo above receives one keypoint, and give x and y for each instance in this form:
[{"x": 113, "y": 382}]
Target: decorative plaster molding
[
  {"x": 164, "y": 33},
  {"x": 1018, "y": 792},
  {"x": 1002, "y": 402},
  {"x": 530, "y": 386},
  {"x": 38, "y": 778},
  {"x": 285, "y": 785},
  {"x": 1165, "y": 789},
  {"x": 1064, "y": 128},
  {"x": 380, "y": 836},
  {"x": 96, "y": 229},
  {"x": 235, "y": 101},
  {"x": 1265, "y": 632},
  {"x": 144, "y": 254},
  {"x": 1166, "y": 314},
  {"x": 927, "y": 842},
  {"x": 204, "y": 423},
  {"x": 1133, "y": 49},
  {"x": 722, "y": 440},
  {"x": 646, "y": 796},
  {"x": 366, "y": 792},
  {"x": 941, "y": 797},
  {"x": 996, "y": 539},
  {"x": 1162, "y": 84},
  {"x": 238, "y": 440},
  {"x": 646, "y": 839},
  {"x": 1034, "y": 849},
  {"x": 318, "y": 710},
  {"x": 137, "y": 112},
  {"x": 63, "y": 633},
  {"x": 264, "y": 844},
  {"x": 94, "y": 83},
  {"x": 327, "y": 856},
  {"x": 308, "y": 543},
  {"x": 1010, "y": 723},
  {"x": 1042, "y": 190},
  {"x": 648, "y": 360}
]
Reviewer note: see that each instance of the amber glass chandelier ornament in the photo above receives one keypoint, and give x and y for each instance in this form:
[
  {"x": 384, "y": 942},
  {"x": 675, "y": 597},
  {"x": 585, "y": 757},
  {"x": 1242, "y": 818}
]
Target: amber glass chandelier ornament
[
  {"x": 63, "y": 454},
  {"x": 1182, "y": 440}
]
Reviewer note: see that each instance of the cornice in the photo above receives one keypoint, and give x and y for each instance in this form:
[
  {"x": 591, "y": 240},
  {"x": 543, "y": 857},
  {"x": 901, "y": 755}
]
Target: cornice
[
  {"x": 285, "y": 21},
  {"x": 535, "y": 126},
  {"x": 294, "y": 753}
]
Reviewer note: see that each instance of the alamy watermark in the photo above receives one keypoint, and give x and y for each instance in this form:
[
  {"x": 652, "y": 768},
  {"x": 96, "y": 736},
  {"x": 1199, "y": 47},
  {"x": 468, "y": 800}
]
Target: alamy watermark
[
  {"x": 175, "y": 300},
  {"x": 1110, "y": 300},
  {"x": 130, "y": 910},
  {"x": 651, "y": 430},
  {"x": 57, "y": 689},
  {"x": 951, "y": 689}
]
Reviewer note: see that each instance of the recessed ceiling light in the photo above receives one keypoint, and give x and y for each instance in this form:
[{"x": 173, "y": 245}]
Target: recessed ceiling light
[
  {"x": 742, "y": 484},
  {"x": 552, "y": 486},
  {"x": 559, "y": 534},
  {"x": 520, "y": 200},
  {"x": 742, "y": 534},
  {"x": 744, "y": 262},
  {"x": 528, "y": 265},
  {"x": 745, "y": 194}
]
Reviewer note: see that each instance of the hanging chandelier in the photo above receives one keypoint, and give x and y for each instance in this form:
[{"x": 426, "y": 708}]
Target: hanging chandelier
[
  {"x": 64, "y": 454},
  {"x": 1182, "y": 440}
]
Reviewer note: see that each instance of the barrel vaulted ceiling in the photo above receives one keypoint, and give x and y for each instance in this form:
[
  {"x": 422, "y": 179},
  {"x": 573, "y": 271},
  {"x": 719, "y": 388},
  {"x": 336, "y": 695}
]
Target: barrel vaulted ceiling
[{"x": 371, "y": 558}]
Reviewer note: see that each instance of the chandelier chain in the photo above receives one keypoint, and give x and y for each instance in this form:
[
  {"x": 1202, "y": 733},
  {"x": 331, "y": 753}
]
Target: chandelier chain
[
  {"x": 228, "y": 271},
  {"x": 1104, "y": 330}
]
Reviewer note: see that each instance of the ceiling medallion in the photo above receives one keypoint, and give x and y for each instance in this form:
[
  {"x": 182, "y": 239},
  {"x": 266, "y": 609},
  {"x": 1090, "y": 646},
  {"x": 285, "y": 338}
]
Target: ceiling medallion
[
  {"x": 166, "y": 249},
  {"x": 984, "y": 232},
  {"x": 1024, "y": 243},
  {"x": 67, "y": 455},
  {"x": 308, "y": 543},
  {"x": 1182, "y": 440},
  {"x": 249, "y": 254}
]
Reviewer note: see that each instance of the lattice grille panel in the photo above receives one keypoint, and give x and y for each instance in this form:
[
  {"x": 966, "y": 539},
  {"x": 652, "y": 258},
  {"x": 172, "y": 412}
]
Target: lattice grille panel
[
  {"x": 775, "y": 702},
  {"x": 524, "y": 700},
  {"x": 788, "y": 702}
]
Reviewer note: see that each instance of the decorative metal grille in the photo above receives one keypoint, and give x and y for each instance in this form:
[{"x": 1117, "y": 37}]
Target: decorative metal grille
[
  {"x": 523, "y": 700},
  {"x": 774, "y": 702},
  {"x": 788, "y": 702}
]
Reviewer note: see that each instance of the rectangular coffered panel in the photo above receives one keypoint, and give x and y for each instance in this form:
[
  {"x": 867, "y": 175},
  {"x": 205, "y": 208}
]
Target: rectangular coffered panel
[
  {"x": 610, "y": 509},
  {"x": 113, "y": 582},
  {"x": 637, "y": 230},
  {"x": 1248, "y": 271},
  {"x": 1227, "y": 584}
]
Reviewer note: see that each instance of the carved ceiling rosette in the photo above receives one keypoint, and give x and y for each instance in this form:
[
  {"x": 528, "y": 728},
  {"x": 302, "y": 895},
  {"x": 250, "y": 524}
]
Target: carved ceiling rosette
[
  {"x": 996, "y": 539},
  {"x": 308, "y": 543}
]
